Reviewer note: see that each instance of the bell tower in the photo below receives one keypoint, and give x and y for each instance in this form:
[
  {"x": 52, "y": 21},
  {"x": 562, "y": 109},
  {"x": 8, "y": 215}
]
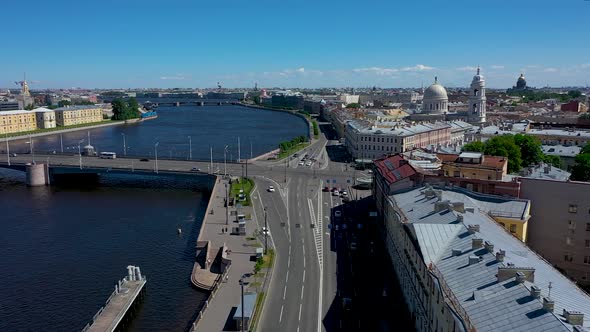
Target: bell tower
[{"x": 477, "y": 100}]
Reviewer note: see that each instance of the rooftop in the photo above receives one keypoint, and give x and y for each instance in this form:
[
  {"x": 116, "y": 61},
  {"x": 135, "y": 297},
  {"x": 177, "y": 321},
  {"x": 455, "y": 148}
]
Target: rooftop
[
  {"x": 396, "y": 128},
  {"x": 492, "y": 304},
  {"x": 545, "y": 171},
  {"x": 77, "y": 107},
  {"x": 561, "y": 150},
  {"x": 495, "y": 162}
]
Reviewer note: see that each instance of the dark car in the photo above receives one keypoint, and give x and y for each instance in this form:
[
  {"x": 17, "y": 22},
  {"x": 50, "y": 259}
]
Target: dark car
[
  {"x": 144, "y": 159},
  {"x": 326, "y": 189}
]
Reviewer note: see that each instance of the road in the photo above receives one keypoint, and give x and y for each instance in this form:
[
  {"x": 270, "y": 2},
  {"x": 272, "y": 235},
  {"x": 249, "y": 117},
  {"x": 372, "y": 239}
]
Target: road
[{"x": 308, "y": 283}]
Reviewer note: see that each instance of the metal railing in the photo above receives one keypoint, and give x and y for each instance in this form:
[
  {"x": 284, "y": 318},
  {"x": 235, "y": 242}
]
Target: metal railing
[{"x": 217, "y": 284}]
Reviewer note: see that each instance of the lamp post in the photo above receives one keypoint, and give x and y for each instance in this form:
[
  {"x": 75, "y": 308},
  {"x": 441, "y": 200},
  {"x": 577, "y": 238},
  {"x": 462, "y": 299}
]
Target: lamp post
[
  {"x": 242, "y": 284},
  {"x": 61, "y": 142},
  {"x": 156, "y": 154},
  {"x": 190, "y": 148},
  {"x": 225, "y": 161},
  {"x": 7, "y": 149},
  {"x": 80, "y": 152},
  {"x": 265, "y": 233},
  {"x": 226, "y": 206},
  {"x": 124, "y": 145}
]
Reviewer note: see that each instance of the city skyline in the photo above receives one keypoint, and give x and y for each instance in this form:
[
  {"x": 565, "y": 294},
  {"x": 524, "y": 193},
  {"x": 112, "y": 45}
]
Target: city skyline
[{"x": 149, "y": 44}]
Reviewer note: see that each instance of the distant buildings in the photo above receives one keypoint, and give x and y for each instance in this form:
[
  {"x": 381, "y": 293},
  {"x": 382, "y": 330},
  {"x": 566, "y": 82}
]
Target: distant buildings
[
  {"x": 474, "y": 165},
  {"x": 17, "y": 121},
  {"x": 574, "y": 106},
  {"x": 550, "y": 136},
  {"x": 45, "y": 118},
  {"x": 287, "y": 99}
]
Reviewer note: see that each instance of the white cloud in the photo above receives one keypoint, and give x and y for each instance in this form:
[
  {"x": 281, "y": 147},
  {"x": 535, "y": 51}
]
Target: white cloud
[
  {"x": 533, "y": 66},
  {"x": 550, "y": 70},
  {"x": 467, "y": 68},
  {"x": 417, "y": 68},
  {"x": 174, "y": 78},
  {"x": 497, "y": 67},
  {"x": 300, "y": 70},
  {"x": 376, "y": 70},
  {"x": 585, "y": 65}
]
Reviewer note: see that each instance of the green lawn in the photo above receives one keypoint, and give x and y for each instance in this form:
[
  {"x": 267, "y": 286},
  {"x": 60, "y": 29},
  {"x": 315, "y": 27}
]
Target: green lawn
[
  {"x": 292, "y": 150},
  {"x": 245, "y": 184}
]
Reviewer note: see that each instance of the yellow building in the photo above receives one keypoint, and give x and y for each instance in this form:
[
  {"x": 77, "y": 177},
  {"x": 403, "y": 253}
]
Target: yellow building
[
  {"x": 45, "y": 118},
  {"x": 17, "y": 121},
  {"x": 73, "y": 115},
  {"x": 516, "y": 225},
  {"x": 474, "y": 165}
]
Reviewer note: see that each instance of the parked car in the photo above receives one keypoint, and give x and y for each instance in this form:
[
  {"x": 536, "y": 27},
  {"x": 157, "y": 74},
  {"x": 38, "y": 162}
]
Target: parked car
[
  {"x": 335, "y": 193},
  {"x": 271, "y": 189},
  {"x": 301, "y": 163},
  {"x": 344, "y": 193},
  {"x": 326, "y": 189},
  {"x": 13, "y": 154},
  {"x": 353, "y": 246},
  {"x": 194, "y": 169},
  {"x": 144, "y": 159}
]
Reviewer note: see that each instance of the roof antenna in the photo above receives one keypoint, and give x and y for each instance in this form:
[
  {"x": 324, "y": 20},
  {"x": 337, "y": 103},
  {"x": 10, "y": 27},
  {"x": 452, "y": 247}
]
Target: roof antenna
[
  {"x": 477, "y": 69},
  {"x": 549, "y": 289}
]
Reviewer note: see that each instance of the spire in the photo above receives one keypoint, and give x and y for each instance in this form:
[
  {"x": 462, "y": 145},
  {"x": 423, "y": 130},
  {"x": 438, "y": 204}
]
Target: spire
[
  {"x": 435, "y": 80},
  {"x": 477, "y": 69}
]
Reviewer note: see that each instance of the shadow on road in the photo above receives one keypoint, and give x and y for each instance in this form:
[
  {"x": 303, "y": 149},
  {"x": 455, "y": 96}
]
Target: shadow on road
[{"x": 368, "y": 296}]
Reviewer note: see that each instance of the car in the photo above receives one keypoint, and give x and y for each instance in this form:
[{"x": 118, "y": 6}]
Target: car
[
  {"x": 144, "y": 159},
  {"x": 337, "y": 213},
  {"x": 301, "y": 163},
  {"x": 308, "y": 163},
  {"x": 346, "y": 303},
  {"x": 344, "y": 193},
  {"x": 271, "y": 189},
  {"x": 296, "y": 155},
  {"x": 326, "y": 189},
  {"x": 335, "y": 193},
  {"x": 353, "y": 246},
  {"x": 265, "y": 231},
  {"x": 194, "y": 169}
]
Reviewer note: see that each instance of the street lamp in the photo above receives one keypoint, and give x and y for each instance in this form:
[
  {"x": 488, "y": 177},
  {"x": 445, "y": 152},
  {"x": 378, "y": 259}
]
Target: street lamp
[
  {"x": 265, "y": 233},
  {"x": 7, "y": 149},
  {"x": 190, "y": 148},
  {"x": 225, "y": 161},
  {"x": 80, "y": 152},
  {"x": 61, "y": 142},
  {"x": 156, "y": 154},
  {"x": 242, "y": 284},
  {"x": 124, "y": 145}
]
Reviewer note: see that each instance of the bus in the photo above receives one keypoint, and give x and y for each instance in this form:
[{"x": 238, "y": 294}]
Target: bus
[{"x": 108, "y": 155}]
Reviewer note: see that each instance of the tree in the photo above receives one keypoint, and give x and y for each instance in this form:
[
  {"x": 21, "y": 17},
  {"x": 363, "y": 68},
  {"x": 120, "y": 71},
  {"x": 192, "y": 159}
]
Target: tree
[
  {"x": 124, "y": 110},
  {"x": 353, "y": 105},
  {"x": 573, "y": 94},
  {"x": 474, "y": 147},
  {"x": 552, "y": 160},
  {"x": 504, "y": 146},
  {"x": 581, "y": 169},
  {"x": 530, "y": 149},
  {"x": 586, "y": 148},
  {"x": 64, "y": 103}
]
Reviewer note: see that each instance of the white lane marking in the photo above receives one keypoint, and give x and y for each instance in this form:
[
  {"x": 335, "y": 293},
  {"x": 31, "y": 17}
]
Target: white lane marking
[
  {"x": 304, "y": 260},
  {"x": 289, "y": 262},
  {"x": 287, "y": 278},
  {"x": 304, "y": 276},
  {"x": 285, "y": 292},
  {"x": 289, "y": 250},
  {"x": 302, "y": 288},
  {"x": 281, "y": 315},
  {"x": 300, "y": 304}
]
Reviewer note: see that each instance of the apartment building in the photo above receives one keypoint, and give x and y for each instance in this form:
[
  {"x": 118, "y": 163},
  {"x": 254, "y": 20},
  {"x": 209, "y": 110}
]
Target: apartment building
[
  {"x": 460, "y": 270},
  {"x": 17, "y": 121},
  {"x": 45, "y": 118},
  {"x": 73, "y": 115},
  {"x": 474, "y": 165}
]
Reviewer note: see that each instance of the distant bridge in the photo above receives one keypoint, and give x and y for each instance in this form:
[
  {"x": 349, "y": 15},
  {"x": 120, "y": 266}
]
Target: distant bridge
[{"x": 203, "y": 102}]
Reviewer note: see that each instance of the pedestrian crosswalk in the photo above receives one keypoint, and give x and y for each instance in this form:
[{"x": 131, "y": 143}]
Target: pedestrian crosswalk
[{"x": 317, "y": 229}]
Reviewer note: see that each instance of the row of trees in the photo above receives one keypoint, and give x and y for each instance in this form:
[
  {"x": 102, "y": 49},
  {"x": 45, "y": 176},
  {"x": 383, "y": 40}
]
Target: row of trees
[
  {"x": 536, "y": 95},
  {"x": 125, "y": 109},
  {"x": 285, "y": 146},
  {"x": 316, "y": 129},
  {"x": 521, "y": 151},
  {"x": 581, "y": 169}
]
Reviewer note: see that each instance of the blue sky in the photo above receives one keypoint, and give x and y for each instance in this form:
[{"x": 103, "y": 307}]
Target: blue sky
[{"x": 311, "y": 43}]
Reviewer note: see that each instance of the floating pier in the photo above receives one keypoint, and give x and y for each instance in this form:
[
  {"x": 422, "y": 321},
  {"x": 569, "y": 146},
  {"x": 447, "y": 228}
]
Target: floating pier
[{"x": 120, "y": 304}]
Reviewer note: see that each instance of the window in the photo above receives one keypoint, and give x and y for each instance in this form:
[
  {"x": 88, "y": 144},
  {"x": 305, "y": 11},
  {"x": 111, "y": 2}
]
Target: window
[
  {"x": 586, "y": 259},
  {"x": 587, "y": 226},
  {"x": 571, "y": 224},
  {"x": 512, "y": 228},
  {"x": 570, "y": 258},
  {"x": 569, "y": 241},
  {"x": 573, "y": 208},
  {"x": 587, "y": 243}
]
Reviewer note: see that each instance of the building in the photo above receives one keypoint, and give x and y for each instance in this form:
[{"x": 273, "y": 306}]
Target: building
[
  {"x": 366, "y": 141},
  {"x": 435, "y": 99},
  {"x": 520, "y": 83},
  {"x": 17, "y": 121},
  {"x": 24, "y": 99},
  {"x": 73, "y": 115},
  {"x": 349, "y": 99},
  {"x": 567, "y": 154},
  {"x": 574, "y": 106},
  {"x": 550, "y": 136},
  {"x": 45, "y": 118},
  {"x": 287, "y": 99},
  {"x": 560, "y": 224},
  {"x": 477, "y": 99},
  {"x": 474, "y": 165},
  {"x": 8, "y": 106},
  {"x": 460, "y": 271}
]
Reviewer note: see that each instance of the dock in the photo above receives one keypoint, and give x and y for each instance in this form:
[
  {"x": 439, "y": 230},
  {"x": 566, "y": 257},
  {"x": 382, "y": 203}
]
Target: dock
[{"x": 123, "y": 300}]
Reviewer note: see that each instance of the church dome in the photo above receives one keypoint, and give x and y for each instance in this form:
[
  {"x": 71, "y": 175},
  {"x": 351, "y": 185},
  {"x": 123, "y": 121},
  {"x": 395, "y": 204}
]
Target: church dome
[
  {"x": 435, "y": 92},
  {"x": 521, "y": 82}
]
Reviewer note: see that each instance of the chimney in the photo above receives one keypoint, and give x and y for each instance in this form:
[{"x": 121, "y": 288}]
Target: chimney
[
  {"x": 476, "y": 243},
  {"x": 130, "y": 273},
  {"x": 438, "y": 194},
  {"x": 489, "y": 246},
  {"x": 441, "y": 206},
  {"x": 459, "y": 207},
  {"x": 500, "y": 255},
  {"x": 520, "y": 277},
  {"x": 548, "y": 304},
  {"x": 474, "y": 259},
  {"x": 573, "y": 317},
  {"x": 521, "y": 273},
  {"x": 460, "y": 218},
  {"x": 535, "y": 292},
  {"x": 546, "y": 169},
  {"x": 472, "y": 229},
  {"x": 456, "y": 252}
]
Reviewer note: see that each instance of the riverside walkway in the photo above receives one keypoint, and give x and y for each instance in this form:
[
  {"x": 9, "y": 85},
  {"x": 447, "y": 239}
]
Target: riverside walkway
[
  {"x": 112, "y": 315},
  {"x": 225, "y": 292}
]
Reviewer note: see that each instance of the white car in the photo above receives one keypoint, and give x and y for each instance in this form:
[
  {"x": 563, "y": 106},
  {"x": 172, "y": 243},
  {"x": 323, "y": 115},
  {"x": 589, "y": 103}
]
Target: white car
[
  {"x": 344, "y": 193},
  {"x": 271, "y": 189},
  {"x": 265, "y": 231},
  {"x": 301, "y": 163},
  {"x": 335, "y": 193},
  {"x": 308, "y": 163}
]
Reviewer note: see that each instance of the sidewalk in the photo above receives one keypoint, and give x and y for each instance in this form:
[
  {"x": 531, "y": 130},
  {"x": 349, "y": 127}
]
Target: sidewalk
[{"x": 218, "y": 315}]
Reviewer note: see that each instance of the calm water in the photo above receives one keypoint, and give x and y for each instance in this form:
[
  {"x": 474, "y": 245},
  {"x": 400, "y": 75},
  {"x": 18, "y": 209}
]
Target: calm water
[
  {"x": 208, "y": 126},
  {"x": 63, "y": 248}
]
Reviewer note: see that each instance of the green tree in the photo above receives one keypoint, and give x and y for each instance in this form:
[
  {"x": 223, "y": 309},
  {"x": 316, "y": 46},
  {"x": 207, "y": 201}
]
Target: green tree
[
  {"x": 504, "y": 146},
  {"x": 353, "y": 105},
  {"x": 581, "y": 169},
  {"x": 316, "y": 129},
  {"x": 553, "y": 160},
  {"x": 586, "y": 148},
  {"x": 574, "y": 94},
  {"x": 530, "y": 149},
  {"x": 124, "y": 110},
  {"x": 64, "y": 103},
  {"x": 30, "y": 107},
  {"x": 474, "y": 147}
]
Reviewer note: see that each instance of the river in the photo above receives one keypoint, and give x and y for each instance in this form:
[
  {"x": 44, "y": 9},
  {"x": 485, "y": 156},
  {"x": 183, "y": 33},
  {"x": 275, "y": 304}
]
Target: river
[{"x": 64, "y": 247}]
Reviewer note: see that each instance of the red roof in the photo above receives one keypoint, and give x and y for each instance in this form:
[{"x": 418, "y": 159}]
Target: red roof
[{"x": 394, "y": 168}]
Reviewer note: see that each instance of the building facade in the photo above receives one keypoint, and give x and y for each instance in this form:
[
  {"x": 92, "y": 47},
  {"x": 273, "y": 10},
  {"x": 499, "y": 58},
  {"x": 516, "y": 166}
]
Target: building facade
[
  {"x": 45, "y": 118},
  {"x": 73, "y": 115},
  {"x": 477, "y": 99},
  {"x": 560, "y": 225},
  {"x": 17, "y": 121}
]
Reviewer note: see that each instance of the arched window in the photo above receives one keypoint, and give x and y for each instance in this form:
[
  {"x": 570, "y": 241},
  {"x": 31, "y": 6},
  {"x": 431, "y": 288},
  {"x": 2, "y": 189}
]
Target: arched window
[
  {"x": 474, "y": 108},
  {"x": 437, "y": 106},
  {"x": 475, "y": 92}
]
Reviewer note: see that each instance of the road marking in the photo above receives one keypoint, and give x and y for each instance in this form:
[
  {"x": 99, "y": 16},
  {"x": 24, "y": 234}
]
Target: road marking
[
  {"x": 281, "y": 315},
  {"x": 285, "y": 292},
  {"x": 304, "y": 260},
  {"x": 287, "y": 279},
  {"x": 289, "y": 262},
  {"x": 302, "y": 288},
  {"x": 289, "y": 250},
  {"x": 300, "y": 304},
  {"x": 303, "y": 275}
]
